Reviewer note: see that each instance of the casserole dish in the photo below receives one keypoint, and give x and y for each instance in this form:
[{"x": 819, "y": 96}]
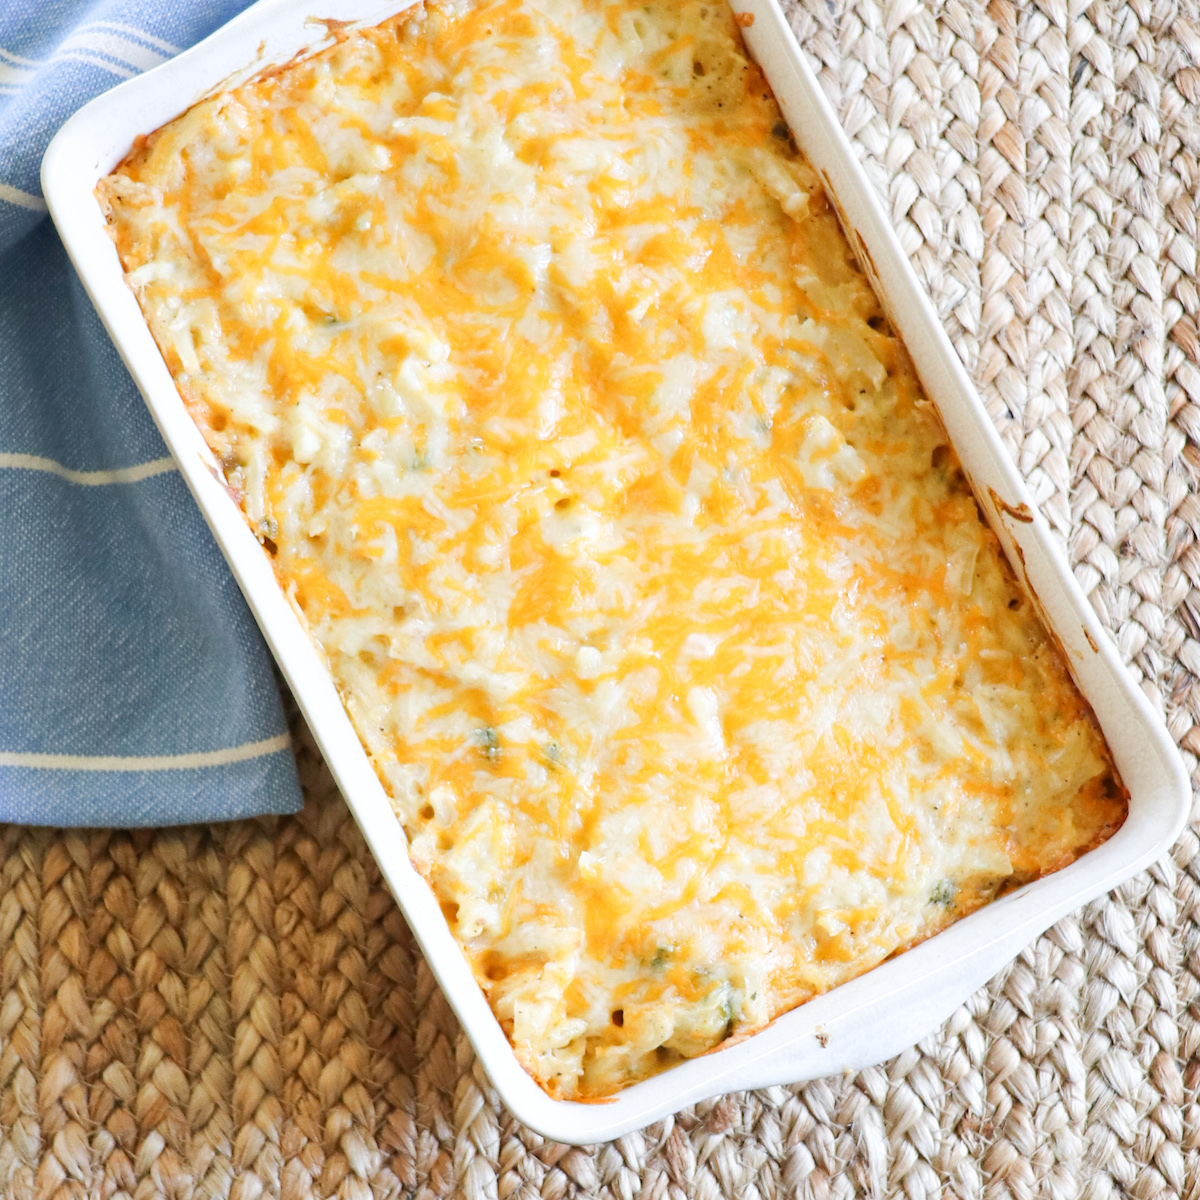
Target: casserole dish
[{"x": 998, "y": 494}]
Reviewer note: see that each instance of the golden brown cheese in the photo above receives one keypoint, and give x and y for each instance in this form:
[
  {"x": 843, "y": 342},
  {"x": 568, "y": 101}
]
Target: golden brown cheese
[{"x": 535, "y": 354}]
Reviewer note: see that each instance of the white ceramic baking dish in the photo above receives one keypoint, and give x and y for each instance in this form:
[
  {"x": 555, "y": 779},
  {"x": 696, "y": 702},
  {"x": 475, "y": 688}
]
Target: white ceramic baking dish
[{"x": 860, "y": 1023}]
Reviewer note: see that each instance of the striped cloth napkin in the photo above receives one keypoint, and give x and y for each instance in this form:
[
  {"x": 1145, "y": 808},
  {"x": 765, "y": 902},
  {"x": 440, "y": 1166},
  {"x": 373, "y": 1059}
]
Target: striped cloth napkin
[{"x": 135, "y": 688}]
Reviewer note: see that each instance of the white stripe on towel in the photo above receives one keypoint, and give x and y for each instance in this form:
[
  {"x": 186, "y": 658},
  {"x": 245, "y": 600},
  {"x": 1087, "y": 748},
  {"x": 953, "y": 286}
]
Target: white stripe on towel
[
  {"x": 159, "y": 762},
  {"x": 14, "y": 75},
  {"x": 15, "y": 69},
  {"x": 21, "y": 199},
  {"x": 117, "y": 47},
  {"x": 35, "y": 462},
  {"x": 13, "y": 57},
  {"x": 140, "y": 37}
]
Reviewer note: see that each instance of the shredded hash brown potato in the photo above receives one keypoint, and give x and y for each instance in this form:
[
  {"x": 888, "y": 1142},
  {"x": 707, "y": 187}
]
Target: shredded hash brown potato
[{"x": 535, "y": 355}]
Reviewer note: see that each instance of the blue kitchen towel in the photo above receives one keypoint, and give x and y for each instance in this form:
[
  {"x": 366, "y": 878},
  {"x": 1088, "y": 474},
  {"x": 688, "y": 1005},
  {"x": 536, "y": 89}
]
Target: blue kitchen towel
[{"x": 135, "y": 688}]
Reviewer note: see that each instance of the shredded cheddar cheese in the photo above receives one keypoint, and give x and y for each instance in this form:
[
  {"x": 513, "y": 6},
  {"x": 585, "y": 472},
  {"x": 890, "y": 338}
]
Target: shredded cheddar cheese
[{"x": 535, "y": 355}]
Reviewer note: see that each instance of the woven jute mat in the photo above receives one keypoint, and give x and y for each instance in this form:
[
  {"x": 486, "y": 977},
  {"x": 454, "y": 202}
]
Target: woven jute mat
[{"x": 240, "y": 1011}]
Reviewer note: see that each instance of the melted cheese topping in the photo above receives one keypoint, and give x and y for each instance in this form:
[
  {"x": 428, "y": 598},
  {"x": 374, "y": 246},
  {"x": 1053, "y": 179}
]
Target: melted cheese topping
[{"x": 535, "y": 355}]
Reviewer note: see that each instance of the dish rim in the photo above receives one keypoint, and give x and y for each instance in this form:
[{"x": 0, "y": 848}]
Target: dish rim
[{"x": 836, "y": 1031}]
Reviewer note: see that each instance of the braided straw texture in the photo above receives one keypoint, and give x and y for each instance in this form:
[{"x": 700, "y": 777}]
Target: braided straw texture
[{"x": 240, "y": 1011}]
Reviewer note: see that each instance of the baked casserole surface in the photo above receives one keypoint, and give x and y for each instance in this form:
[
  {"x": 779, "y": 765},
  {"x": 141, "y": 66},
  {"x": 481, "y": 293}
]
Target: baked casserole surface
[{"x": 538, "y": 361}]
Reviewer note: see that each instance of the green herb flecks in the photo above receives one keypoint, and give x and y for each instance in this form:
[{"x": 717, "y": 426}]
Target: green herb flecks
[{"x": 489, "y": 743}]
